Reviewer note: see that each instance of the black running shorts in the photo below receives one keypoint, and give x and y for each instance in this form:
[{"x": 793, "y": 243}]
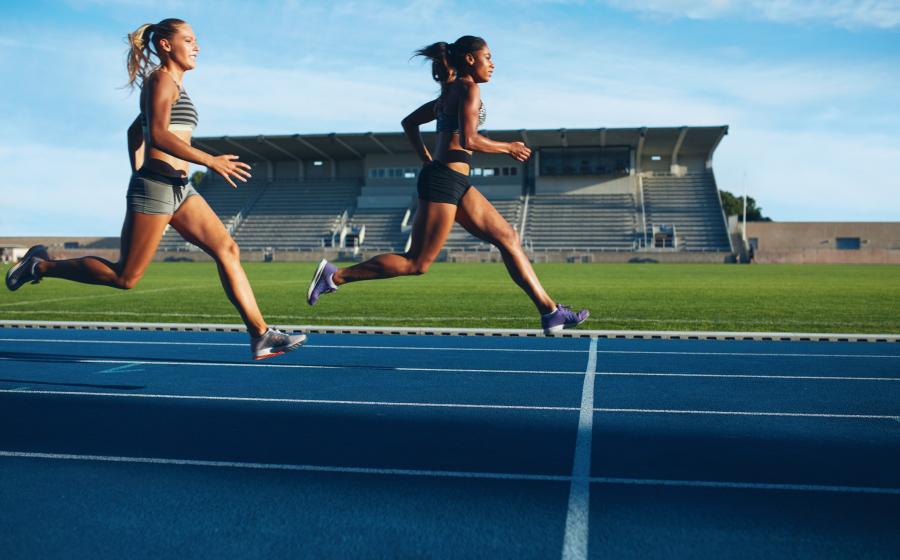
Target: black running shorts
[{"x": 439, "y": 183}]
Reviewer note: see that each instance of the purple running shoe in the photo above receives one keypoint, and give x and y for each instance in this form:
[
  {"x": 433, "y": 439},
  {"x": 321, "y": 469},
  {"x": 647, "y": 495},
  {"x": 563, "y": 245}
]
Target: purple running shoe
[
  {"x": 562, "y": 318},
  {"x": 23, "y": 271},
  {"x": 321, "y": 282},
  {"x": 274, "y": 343}
]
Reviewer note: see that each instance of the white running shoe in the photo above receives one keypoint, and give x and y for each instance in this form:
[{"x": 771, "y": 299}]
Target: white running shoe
[
  {"x": 274, "y": 343},
  {"x": 24, "y": 271}
]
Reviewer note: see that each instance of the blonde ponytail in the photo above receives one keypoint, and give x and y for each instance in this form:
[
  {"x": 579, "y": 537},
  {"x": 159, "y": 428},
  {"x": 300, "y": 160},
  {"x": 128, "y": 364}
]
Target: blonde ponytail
[{"x": 143, "y": 47}]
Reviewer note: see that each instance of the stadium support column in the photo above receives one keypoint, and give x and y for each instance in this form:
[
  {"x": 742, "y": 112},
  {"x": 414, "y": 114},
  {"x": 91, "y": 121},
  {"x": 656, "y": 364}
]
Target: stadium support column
[
  {"x": 640, "y": 148},
  {"x": 673, "y": 167},
  {"x": 379, "y": 143},
  {"x": 528, "y": 168},
  {"x": 270, "y": 169},
  {"x": 336, "y": 139}
]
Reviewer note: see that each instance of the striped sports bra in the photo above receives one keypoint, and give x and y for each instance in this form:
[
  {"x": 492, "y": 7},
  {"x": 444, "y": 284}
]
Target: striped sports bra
[
  {"x": 183, "y": 116},
  {"x": 449, "y": 122}
]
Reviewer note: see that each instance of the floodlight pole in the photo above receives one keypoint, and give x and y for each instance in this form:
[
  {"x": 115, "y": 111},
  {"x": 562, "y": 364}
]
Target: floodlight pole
[{"x": 744, "y": 229}]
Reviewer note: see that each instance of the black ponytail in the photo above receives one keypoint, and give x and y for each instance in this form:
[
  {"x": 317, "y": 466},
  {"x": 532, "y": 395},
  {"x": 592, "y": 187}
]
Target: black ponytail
[{"x": 448, "y": 58}]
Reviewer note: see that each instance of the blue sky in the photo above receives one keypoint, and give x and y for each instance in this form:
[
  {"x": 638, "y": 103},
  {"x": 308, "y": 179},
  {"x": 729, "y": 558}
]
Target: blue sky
[{"x": 808, "y": 87}]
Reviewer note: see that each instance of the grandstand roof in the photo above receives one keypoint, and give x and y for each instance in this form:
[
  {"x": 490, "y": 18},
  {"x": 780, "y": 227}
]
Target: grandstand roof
[{"x": 694, "y": 140}]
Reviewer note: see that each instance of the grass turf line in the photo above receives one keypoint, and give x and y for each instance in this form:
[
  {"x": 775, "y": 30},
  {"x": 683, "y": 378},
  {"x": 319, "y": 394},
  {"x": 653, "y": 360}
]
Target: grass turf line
[{"x": 779, "y": 298}]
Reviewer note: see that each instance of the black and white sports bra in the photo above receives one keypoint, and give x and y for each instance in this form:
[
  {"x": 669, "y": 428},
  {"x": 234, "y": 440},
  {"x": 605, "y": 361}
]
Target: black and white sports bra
[
  {"x": 183, "y": 116},
  {"x": 449, "y": 121}
]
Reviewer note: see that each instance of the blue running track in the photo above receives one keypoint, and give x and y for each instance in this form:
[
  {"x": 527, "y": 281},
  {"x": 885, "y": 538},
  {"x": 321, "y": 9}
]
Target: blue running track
[{"x": 174, "y": 444}]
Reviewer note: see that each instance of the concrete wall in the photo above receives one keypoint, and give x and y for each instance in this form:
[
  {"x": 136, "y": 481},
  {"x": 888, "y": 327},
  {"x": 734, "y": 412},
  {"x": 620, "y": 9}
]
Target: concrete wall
[
  {"x": 663, "y": 164},
  {"x": 586, "y": 185},
  {"x": 397, "y": 195},
  {"x": 287, "y": 170},
  {"x": 815, "y": 242}
]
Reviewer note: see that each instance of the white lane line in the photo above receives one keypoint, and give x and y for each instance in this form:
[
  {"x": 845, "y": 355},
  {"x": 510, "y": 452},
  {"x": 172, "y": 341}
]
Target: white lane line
[
  {"x": 448, "y": 405},
  {"x": 753, "y": 354},
  {"x": 242, "y": 345},
  {"x": 575, "y": 541},
  {"x": 747, "y": 413},
  {"x": 606, "y": 373},
  {"x": 120, "y": 368},
  {"x": 746, "y": 376},
  {"x": 461, "y": 349},
  {"x": 747, "y": 485},
  {"x": 286, "y": 467},
  {"x": 135, "y": 342},
  {"x": 304, "y": 366},
  {"x": 289, "y": 401},
  {"x": 449, "y": 474}
]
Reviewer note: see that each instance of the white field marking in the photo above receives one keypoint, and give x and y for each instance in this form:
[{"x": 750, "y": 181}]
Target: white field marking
[
  {"x": 766, "y": 354},
  {"x": 305, "y": 366},
  {"x": 748, "y": 376},
  {"x": 447, "y": 474},
  {"x": 242, "y": 344},
  {"x": 447, "y": 405},
  {"x": 458, "y": 349},
  {"x": 286, "y": 467},
  {"x": 743, "y": 413},
  {"x": 288, "y": 401},
  {"x": 575, "y": 541},
  {"x": 747, "y": 485},
  {"x": 116, "y": 293},
  {"x": 454, "y": 349},
  {"x": 120, "y": 368},
  {"x": 137, "y": 342}
]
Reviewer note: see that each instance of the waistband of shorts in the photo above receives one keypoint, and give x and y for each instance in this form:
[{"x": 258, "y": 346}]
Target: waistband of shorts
[
  {"x": 439, "y": 165},
  {"x": 160, "y": 178}
]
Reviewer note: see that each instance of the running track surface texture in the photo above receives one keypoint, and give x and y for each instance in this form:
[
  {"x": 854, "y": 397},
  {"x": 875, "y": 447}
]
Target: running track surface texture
[{"x": 146, "y": 444}]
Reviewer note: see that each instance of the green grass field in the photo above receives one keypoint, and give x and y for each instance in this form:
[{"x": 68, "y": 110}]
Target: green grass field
[{"x": 782, "y": 298}]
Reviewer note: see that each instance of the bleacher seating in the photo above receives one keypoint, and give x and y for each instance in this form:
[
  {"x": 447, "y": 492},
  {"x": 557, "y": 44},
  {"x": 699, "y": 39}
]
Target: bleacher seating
[
  {"x": 581, "y": 222},
  {"x": 460, "y": 239},
  {"x": 691, "y": 204},
  {"x": 293, "y": 215},
  {"x": 382, "y": 228},
  {"x": 225, "y": 200}
]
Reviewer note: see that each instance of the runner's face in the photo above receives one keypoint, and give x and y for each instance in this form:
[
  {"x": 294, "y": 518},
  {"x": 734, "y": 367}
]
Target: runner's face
[
  {"x": 183, "y": 47},
  {"x": 482, "y": 65}
]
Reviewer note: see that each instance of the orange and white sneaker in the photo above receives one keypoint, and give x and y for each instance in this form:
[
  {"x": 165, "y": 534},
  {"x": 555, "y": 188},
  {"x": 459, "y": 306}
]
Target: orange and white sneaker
[{"x": 274, "y": 343}]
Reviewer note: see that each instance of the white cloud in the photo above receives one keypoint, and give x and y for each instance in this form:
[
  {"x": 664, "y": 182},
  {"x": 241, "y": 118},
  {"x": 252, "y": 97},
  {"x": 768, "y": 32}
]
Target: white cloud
[{"x": 882, "y": 14}]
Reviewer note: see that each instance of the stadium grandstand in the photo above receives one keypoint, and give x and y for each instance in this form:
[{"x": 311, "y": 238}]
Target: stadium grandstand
[{"x": 586, "y": 195}]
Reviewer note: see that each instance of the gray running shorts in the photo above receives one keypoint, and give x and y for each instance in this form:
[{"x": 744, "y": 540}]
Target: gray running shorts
[{"x": 152, "y": 193}]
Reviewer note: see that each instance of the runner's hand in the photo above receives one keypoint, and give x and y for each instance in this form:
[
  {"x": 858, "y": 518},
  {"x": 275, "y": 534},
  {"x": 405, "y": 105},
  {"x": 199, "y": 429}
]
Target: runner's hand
[
  {"x": 228, "y": 167},
  {"x": 519, "y": 151}
]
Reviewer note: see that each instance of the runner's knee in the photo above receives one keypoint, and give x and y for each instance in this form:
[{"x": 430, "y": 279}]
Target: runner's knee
[
  {"x": 416, "y": 266},
  {"x": 507, "y": 238},
  {"x": 126, "y": 282},
  {"x": 229, "y": 250}
]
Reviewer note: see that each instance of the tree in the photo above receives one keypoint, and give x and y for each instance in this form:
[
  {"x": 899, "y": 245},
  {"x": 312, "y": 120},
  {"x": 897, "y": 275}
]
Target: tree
[
  {"x": 734, "y": 206},
  {"x": 197, "y": 177}
]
